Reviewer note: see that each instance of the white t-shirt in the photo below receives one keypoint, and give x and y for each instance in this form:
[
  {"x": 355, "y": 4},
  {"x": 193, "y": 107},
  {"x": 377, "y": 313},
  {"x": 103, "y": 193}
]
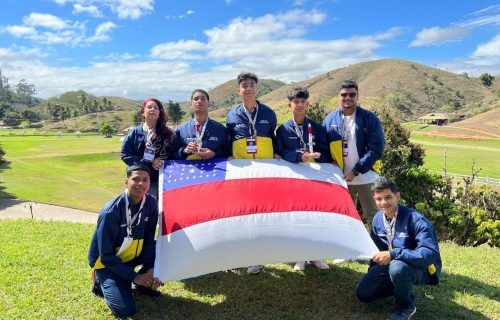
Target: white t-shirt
[{"x": 352, "y": 154}]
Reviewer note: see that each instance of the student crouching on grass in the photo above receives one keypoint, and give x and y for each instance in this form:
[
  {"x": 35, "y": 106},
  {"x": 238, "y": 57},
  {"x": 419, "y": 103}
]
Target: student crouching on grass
[
  {"x": 302, "y": 140},
  {"x": 409, "y": 253},
  {"x": 123, "y": 240}
]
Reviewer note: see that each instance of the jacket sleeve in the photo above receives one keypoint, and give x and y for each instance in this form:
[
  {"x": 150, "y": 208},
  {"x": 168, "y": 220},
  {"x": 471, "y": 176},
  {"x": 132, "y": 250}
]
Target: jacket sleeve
[
  {"x": 273, "y": 122},
  {"x": 222, "y": 152},
  {"x": 426, "y": 251},
  {"x": 286, "y": 153},
  {"x": 149, "y": 247},
  {"x": 178, "y": 146},
  {"x": 374, "y": 145},
  {"x": 108, "y": 231},
  {"x": 128, "y": 153},
  {"x": 231, "y": 134},
  {"x": 322, "y": 145}
]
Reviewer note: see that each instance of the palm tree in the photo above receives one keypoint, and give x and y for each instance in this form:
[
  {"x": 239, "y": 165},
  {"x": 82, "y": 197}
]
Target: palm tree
[{"x": 75, "y": 114}]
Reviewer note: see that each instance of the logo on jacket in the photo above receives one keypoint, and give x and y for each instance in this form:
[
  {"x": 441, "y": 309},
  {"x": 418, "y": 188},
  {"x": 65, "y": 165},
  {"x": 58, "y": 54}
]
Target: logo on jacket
[
  {"x": 213, "y": 139},
  {"x": 264, "y": 121},
  {"x": 403, "y": 235}
]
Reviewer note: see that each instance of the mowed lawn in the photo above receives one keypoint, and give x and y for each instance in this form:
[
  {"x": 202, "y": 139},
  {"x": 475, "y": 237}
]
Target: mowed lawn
[
  {"x": 80, "y": 172},
  {"x": 44, "y": 275}
]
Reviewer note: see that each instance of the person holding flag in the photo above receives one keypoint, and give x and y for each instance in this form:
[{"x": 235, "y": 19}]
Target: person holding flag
[
  {"x": 123, "y": 239},
  {"x": 150, "y": 142},
  {"x": 251, "y": 126},
  {"x": 302, "y": 140},
  {"x": 201, "y": 138}
]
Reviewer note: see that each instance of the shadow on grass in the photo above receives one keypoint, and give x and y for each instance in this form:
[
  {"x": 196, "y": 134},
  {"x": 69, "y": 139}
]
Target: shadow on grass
[
  {"x": 280, "y": 293},
  {"x": 6, "y": 199}
]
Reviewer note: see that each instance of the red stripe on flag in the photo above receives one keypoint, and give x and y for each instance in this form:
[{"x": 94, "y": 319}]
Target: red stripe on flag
[{"x": 187, "y": 206}]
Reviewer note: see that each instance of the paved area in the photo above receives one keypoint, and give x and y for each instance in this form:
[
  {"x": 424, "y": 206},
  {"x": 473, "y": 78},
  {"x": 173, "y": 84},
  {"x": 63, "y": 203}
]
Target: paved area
[{"x": 14, "y": 209}]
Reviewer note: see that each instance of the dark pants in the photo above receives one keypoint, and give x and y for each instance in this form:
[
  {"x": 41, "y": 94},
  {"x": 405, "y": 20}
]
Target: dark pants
[
  {"x": 396, "y": 279},
  {"x": 117, "y": 293}
]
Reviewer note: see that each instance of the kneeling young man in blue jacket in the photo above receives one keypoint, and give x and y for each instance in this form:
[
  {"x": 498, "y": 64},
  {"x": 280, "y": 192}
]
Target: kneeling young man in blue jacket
[
  {"x": 409, "y": 252},
  {"x": 124, "y": 239}
]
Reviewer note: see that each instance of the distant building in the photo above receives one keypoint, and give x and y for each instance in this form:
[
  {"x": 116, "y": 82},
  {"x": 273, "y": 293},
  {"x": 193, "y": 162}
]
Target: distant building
[
  {"x": 125, "y": 131},
  {"x": 441, "y": 119}
]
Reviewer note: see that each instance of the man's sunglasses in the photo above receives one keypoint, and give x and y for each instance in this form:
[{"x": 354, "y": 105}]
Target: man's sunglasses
[{"x": 350, "y": 94}]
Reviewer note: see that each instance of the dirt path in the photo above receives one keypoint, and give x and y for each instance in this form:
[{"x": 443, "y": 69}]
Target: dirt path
[
  {"x": 452, "y": 145},
  {"x": 15, "y": 209}
]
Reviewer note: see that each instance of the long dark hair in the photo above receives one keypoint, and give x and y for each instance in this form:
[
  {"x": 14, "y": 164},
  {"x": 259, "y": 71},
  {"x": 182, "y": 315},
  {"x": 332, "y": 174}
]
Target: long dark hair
[{"x": 161, "y": 125}]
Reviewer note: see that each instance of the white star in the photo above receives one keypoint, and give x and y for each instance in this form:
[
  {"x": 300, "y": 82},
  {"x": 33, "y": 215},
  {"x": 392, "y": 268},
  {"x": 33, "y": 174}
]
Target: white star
[{"x": 192, "y": 170}]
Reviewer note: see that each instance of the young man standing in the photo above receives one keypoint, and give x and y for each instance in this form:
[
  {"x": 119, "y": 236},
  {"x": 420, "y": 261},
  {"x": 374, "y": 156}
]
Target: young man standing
[
  {"x": 409, "y": 253},
  {"x": 302, "y": 140},
  {"x": 251, "y": 126},
  {"x": 124, "y": 239},
  {"x": 356, "y": 145}
]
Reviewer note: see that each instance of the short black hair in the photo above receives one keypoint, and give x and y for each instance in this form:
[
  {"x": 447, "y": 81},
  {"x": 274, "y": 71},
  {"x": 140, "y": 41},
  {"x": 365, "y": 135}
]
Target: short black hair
[
  {"x": 137, "y": 167},
  {"x": 247, "y": 75},
  {"x": 384, "y": 183},
  {"x": 298, "y": 92},
  {"x": 349, "y": 84},
  {"x": 202, "y": 91}
]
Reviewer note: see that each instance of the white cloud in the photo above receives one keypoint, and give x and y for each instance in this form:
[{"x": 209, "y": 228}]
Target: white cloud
[
  {"x": 190, "y": 12},
  {"x": 489, "y": 49},
  {"x": 92, "y": 10},
  {"x": 177, "y": 50},
  {"x": 438, "y": 35},
  {"x": 487, "y": 16},
  {"x": 101, "y": 32},
  {"x": 20, "y": 31},
  {"x": 124, "y": 9},
  {"x": 228, "y": 2},
  {"x": 45, "y": 20}
]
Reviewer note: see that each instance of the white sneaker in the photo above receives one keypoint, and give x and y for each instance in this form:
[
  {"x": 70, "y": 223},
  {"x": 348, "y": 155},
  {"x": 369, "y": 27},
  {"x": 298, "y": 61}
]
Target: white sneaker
[
  {"x": 255, "y": 269},
  {"x": 339, "y": 261},
  {"x": 320, "y": 264},
  {"x": 300, "y": 266}
]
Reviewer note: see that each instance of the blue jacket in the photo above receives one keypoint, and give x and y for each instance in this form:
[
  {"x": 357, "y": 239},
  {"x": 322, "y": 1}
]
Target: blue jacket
[
  {"x": 369, "y": 139},
  {"x": 415, "y": 240},
  {"x": 289, "y": 144},
  {"x": 133, "y": 149},
  {"x": 112, "y": 229},
  {"x": 215, "y": 138},
  {"x": 238, "y": 127}
]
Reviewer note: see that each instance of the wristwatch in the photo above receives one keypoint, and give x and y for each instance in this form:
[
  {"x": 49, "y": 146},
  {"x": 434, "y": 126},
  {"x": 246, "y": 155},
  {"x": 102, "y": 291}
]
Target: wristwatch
[{"x": 356, "y": 173}]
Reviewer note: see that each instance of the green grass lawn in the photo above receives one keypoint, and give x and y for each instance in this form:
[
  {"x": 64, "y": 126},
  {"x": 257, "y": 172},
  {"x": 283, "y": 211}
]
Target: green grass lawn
[
  {"x": 82, "y": 172},
  {"x": 44, "y": 275}
]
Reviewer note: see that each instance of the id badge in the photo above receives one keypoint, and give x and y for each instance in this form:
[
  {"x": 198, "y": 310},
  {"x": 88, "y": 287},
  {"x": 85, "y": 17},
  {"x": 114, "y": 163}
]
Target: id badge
[
  {"x": 127, "y": 241},
  {"x": 344, "y": 148},
  {"x": 251, "y": 145},
  {"x": 149, "y": 153}
]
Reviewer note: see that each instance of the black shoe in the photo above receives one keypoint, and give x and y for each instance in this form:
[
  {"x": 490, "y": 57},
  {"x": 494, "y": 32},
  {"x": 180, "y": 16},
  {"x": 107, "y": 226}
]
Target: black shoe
[
  {"x": 96, "y": 287},
  {"x": 402, "y": 313},
  {"x": 147, "y": 291}
]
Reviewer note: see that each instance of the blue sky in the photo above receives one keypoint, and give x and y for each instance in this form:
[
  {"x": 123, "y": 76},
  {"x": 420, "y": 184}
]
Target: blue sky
[{"x": 166, "y": 48}]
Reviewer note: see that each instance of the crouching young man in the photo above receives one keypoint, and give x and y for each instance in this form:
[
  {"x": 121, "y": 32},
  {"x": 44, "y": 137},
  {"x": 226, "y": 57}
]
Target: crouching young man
[
  {"x": 409, "y": 252},
  {"x": 124, "y": 239}
]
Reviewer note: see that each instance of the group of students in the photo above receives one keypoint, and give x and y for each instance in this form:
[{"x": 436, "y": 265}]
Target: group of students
[{"x": 350, "y": 137}]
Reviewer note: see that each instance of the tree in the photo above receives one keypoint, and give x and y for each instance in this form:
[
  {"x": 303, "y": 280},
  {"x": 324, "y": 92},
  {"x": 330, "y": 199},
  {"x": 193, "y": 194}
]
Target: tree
[
  {"x": 486, "y": 79},
  {"x": 4, "y": 108},
  {"x": 12, "y": 119},
  {"x": 317, "y": 112},
  {"x": 107, "y": 129},
  {"x": 6, "y": 94},
  {"x": 83, "y": 102},
  {"x": 30, "y": 116},
  {"x": 25, "y": 93},
  {"x": 136, "y": 117},
  {"x": 175, "y": 113},
  {"x": 75, "y": 115}
]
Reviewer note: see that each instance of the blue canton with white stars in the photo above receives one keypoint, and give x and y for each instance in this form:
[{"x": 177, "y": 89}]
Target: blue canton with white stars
[{"x": 180, "y": 173}]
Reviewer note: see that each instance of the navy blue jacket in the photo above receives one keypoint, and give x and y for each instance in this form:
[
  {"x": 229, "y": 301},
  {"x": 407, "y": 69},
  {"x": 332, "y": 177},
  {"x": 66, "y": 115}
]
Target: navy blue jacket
[
  {"x": 369, "y": 139},
  {"x": 133, "y": 147},
  {"x": 112, "y": 229},
  {"x": 415, "y": 240},
  {"x": 289, "y": 145},
  {"x": 215, "y": 138}
]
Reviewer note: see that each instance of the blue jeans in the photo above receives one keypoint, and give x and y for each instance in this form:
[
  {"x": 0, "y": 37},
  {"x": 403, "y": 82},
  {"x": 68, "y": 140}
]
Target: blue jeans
[{"x": 396, "y": 279}]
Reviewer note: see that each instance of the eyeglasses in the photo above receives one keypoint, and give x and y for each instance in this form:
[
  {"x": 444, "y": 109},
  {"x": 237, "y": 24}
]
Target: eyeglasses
[{"x": 350, "y": 94}]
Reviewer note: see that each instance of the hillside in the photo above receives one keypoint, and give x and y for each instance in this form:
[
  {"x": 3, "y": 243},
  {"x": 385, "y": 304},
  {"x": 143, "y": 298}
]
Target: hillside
[
  {"x": 488, "y": 122},
  {"x": 413, "y": 88}
]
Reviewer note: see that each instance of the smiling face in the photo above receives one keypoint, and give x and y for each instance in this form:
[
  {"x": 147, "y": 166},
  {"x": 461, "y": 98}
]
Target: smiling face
[
  {"x": 248, "y": 90},
  {"x": 137, "y": 185},
  {"x": 298, "y": 107},
  {"x": 348, "y": 98},
  {"x": 387, "y": 201},
  {"x": 151, "y": 111}
]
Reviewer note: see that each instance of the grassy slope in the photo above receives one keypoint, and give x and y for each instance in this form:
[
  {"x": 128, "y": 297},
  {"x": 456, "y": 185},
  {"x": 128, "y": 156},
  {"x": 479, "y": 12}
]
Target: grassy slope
[
  {"x": 44, "y": 275},
  {"x": 75, "y": 172}
]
